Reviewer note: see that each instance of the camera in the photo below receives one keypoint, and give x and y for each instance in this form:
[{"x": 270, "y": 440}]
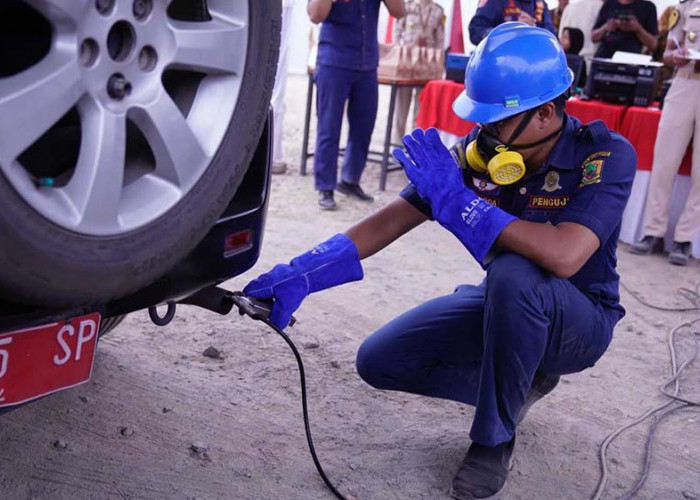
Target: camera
[{"x": 624, "y": 16}]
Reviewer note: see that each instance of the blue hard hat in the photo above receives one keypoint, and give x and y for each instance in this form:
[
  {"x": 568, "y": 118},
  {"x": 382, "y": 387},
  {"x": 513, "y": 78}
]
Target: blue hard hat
[{"x": 515, "y": 68}]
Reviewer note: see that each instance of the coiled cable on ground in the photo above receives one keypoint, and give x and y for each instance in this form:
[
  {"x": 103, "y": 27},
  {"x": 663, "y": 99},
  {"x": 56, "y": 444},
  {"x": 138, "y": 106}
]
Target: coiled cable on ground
[{"x": 674, "y": 404}]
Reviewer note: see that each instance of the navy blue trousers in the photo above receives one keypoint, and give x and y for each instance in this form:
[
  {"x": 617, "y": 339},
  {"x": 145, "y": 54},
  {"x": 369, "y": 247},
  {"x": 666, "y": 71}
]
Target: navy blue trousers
[
  {"x": 483, "y": 344},
  {"x": 360, "y": 90}
]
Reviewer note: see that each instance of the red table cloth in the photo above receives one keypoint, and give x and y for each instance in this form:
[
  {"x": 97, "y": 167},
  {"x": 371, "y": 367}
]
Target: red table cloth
[
  {"x": 587, "y": 111},
  {"x": 640, "y": 126},
  {"x": 436, "y": 108}
]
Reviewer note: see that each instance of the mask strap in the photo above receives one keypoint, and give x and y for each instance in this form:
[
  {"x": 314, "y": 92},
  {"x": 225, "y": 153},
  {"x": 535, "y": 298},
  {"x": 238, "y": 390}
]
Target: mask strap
[
  {"x": 541, "y": 141},
  {"x": 521, "y": 126}
]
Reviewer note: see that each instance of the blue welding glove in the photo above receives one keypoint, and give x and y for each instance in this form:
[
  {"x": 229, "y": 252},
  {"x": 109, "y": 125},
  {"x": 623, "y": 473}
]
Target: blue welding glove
[
  {"x": 333, "y": 262},
  {"x": 433, "y": 171}
]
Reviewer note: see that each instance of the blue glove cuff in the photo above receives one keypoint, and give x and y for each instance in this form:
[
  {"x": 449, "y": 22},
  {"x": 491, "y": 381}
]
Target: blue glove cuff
[
  {"x": 476, "y": 223},
  {"x": 331, "y": 263}
]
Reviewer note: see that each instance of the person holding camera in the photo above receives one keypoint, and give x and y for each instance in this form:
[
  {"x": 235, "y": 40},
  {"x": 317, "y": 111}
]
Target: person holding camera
[{"x": 625, "y": 25}]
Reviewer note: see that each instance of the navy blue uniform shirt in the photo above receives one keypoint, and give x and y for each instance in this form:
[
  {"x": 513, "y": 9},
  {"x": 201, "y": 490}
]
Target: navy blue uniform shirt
[
  {"x": 627, "y": 41},
  {"x": 587, "y": 179},
  {"x": 491, "y": 13},
  {"x": 349, "y": 36}
]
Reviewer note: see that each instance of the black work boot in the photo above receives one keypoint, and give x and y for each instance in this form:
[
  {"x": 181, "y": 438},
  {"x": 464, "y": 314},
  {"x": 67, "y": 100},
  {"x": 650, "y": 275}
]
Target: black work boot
[
  {"x": 326, "y": 201},
  {"x": 648, "y": 245},
  {"x": 353, "y": 190},
  {"x": 541, "y": 386},
  {"x": 680, "y": 253},
  {"x": 483, "y": 472}
]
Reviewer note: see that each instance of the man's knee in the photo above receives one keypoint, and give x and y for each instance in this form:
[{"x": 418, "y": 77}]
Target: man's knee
[{"x": 369, "y": 364}]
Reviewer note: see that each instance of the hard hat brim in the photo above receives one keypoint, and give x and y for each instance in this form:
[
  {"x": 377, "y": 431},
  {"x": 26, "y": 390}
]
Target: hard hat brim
[{"x": 468, "y": 109}]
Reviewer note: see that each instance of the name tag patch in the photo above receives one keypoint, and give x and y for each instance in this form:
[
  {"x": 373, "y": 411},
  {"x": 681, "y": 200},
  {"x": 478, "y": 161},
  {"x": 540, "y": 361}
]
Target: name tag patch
[{"x": 548, "y": 202}]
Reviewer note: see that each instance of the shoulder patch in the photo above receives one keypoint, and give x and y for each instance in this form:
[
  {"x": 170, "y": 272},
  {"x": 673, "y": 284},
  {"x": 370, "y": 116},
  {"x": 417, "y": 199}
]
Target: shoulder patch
[
  {"x": 482, "y": 3},
  {"x": 673, "y": 18},
  {"x": 597, "y": 154},
  {"x": 592, "y": 172},
  {"x": 592, "y": 168}
]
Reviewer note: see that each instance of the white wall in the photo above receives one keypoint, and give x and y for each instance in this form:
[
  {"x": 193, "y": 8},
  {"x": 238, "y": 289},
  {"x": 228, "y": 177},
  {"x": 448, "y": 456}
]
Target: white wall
[{"x": 299, "y": 38}]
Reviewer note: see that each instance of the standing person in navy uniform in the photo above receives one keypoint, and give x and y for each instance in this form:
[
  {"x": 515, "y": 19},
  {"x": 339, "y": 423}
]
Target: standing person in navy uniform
[
  {"x": 491, "y": 13},
  {"x": 346, "y": 70},
  {"x": 537, "y": 199}
]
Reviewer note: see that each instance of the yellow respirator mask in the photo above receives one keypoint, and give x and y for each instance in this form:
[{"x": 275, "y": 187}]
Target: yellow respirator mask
[
  {"x": 504, "y": 166},
  {"x": 486, "y": 153}
]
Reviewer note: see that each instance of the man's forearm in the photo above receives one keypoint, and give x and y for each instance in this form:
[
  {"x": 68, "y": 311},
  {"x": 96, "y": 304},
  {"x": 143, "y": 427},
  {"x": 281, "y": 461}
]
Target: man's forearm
[
  {"x": 648, "y": 40},
  {"x": 562, "y": 250},
  {"x": 376, "y": 231},
  {"x": 668, "y": 58},
  {"x": 318, "y": 10},
  {"x": 396, "y": 8},
  {"x": 670, "y": 54},
  {"x": 597, "y": 35}
]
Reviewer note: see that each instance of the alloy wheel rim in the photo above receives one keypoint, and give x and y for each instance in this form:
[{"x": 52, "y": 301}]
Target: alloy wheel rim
[{"x": 145, "y": 98}]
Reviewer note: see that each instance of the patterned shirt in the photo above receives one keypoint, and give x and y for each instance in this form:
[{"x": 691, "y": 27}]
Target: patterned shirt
[{"x": 423, "y": 25}]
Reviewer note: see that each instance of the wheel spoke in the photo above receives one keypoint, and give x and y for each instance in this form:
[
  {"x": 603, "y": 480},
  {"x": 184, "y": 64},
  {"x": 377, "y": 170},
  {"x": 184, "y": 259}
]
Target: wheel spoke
[
  {"x": 214, "y": 47},
  {"x": 34, "y": 100},
  {"x": 179, "y": 154},
  {"x": 61, "y": 11},
  {"x": 96, "y": 186}
]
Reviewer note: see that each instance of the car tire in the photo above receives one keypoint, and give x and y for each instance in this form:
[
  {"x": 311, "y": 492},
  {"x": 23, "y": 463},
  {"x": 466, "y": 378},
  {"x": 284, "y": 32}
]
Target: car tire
[{"x": 48, "y": 262}]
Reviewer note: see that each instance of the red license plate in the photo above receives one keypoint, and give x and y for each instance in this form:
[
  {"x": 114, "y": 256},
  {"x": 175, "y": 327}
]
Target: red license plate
[{"x": 38, "y": 361}]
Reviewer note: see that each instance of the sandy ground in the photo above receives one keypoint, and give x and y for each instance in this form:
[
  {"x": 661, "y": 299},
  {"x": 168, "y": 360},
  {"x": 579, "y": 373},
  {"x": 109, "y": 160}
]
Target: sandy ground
[{"x": 127, "y": 434}]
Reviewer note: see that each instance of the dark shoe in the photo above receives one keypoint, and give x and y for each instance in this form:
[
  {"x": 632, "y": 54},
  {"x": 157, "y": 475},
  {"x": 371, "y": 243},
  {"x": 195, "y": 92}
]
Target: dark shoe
[
  {"x": 483, "y": 472},
  {"x": 353, "y": 190},
  {"x": 648, "y": 245},
  {"x": 326, "y": 201},
  {"x": 680, "y": 253},
  {"x": 541, "y": 386}
]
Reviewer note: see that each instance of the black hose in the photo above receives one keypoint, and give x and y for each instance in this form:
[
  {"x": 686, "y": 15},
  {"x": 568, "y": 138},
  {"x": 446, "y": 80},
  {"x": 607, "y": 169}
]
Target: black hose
[
  {"x": 260, "y": 310},
  {"x": 307, "y": 427}
]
